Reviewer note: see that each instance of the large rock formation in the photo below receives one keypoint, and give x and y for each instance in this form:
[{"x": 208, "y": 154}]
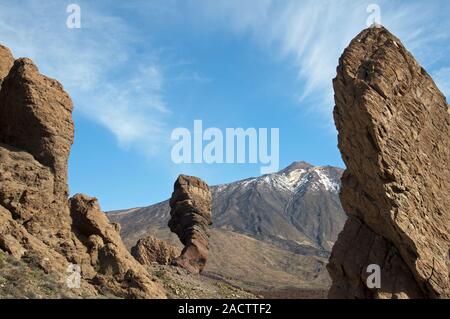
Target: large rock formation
[
  {"x": 36, "y": 134},
  {"x": 190, "y": 220},
  {"x": 115, "y": 269},
  {"x": 394, "y": 136},
  {"x": 151, "y": 250}
]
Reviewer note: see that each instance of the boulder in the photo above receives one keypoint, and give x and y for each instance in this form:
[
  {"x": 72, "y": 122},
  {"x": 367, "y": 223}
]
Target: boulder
[{"x": 151, "y": 250}]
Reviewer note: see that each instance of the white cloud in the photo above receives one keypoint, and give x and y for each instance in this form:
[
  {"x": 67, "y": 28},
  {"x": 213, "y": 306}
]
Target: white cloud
[
  {"x": 96, "y": 65},
  {"x": 134, "y": 110}
]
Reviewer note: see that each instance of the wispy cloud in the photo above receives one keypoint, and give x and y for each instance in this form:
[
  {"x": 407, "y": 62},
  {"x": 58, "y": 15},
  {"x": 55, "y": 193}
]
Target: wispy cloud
[
  {"x": 116, "y": 86},
  {"x": 96, "y": 64},
  {"x": 313, "y": 34},
  {"x": 134, "y": 109}
]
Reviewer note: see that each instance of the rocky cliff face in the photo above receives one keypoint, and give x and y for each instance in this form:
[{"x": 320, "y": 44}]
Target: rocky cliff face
[
  {"x": 36, "y": 134},
  {"x": 190, "y": 220},
  {"x": 394, "y": 136}
]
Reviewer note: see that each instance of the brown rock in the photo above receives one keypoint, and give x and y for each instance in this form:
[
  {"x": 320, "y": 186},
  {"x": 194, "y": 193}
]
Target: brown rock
[
  {"x": 108, "y": 254},
  {"x": 36, "y": 116},
  {"x": 394, "y": 136},
  {"x": 151, "y": 250},
  {"x": 190, "y": 220},
  {"x": 36, "y": 134},
  {"x": 6, "y": 62}
]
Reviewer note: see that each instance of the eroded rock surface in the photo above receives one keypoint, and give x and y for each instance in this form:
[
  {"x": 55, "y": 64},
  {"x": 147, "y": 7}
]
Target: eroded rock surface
[
  {"x": 115, "y": 268},
  {"x": 36, "y": 135},
  {"x": 151, "y": 250},
  {"x": 394, "y": 136},
  {"x": 190, "y": 220},
  {"x": 6, "y": 62}
]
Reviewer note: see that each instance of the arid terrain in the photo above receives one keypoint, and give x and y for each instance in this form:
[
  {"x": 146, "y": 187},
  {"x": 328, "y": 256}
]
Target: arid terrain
[
  {"x": 303, "y": 232},
  {"x": 269, "y": 233}
]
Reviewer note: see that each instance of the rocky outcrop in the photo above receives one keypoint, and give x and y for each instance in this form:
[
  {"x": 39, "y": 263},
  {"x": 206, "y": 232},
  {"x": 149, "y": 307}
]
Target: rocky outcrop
[
  {"x": 115, "y": 268},
  {"x": 394, "y": 136},
  {"x": 190, "y": 219},
  {"x": 36, "y": 134},
  {"x": 151, "y": 250},
  {"x": 6, "y": 62}
]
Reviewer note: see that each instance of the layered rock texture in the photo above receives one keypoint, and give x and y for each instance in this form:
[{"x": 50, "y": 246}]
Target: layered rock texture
[
  {"x": 6, "y": 62},
  {"x": 190, "y": 219},
  {"x": 150, "y": 250},
  {"x": 394, "y": 136},
  {"x": 36, "y": 134}
]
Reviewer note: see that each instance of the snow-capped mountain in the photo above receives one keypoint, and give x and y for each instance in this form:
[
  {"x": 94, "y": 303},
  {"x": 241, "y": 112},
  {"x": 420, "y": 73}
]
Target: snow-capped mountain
[
  {"x": 296, "y": 209},
  {"x": 295, "y": 178}
]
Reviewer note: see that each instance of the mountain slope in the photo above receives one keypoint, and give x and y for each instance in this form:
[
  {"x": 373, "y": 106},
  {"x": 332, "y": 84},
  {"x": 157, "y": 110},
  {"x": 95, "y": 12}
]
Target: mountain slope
[
  {"x": 293, "y": 215},
  {"x": 297, "y": 209}
]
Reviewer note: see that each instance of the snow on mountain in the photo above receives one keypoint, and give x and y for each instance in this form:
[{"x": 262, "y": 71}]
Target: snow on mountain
[
  {"x": 296, "y": 209},
  {"x": 294, "y": 179}
]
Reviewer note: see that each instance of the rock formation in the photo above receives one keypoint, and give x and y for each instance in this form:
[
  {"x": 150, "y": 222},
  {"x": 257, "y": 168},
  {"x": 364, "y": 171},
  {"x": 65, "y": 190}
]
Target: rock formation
[
  {"x": 394, "y": 136},
  {"x": 6, "y": 62},
  {"x": 190, "y": 220},
  {"x": 151, "y": 250},
  {"x": 36, "y": 134}
]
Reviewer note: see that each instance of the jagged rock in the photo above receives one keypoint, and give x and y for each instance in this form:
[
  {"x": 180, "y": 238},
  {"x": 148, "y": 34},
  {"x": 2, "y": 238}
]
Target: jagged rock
[
  {"x": 150, "y": 250},
  {"x": 394, "y": 136},
  {"x": 190, "y": 219},
  {"x": 36, "y": 116},
  {"x": 108, "y": 254},
  {"x": 6, "y": 62},
  {"x": 36, "y": 134}
]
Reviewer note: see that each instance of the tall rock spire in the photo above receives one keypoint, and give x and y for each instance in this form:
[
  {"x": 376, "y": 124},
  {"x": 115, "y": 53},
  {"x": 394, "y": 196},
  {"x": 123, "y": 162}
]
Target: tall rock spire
[
  {"x": 394, "y": 136},
  {"x": 190, "y": 220}
]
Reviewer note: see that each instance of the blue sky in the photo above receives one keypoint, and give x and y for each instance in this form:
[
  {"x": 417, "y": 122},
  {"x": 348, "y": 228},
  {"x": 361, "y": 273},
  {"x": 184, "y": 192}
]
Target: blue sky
[{"x": 136, "y": 70}]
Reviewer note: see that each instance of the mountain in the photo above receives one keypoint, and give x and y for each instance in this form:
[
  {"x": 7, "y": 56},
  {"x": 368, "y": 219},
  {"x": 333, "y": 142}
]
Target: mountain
[
  {"x": 276, "y": 220},
  {"x": 297, "y": 209}
]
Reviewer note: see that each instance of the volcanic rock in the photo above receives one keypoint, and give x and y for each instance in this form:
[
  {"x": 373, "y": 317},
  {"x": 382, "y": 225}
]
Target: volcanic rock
[
  {"x": 35, "y": 116},
  {"x": 394, "y": 136},
  {"x": 6, "y": 62},
  {"x": 36, "y": 134},
  {"x": 116, "y": 268},
  {"x": 150, "y": 250},
  {"x": 190, "y": 219}
]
